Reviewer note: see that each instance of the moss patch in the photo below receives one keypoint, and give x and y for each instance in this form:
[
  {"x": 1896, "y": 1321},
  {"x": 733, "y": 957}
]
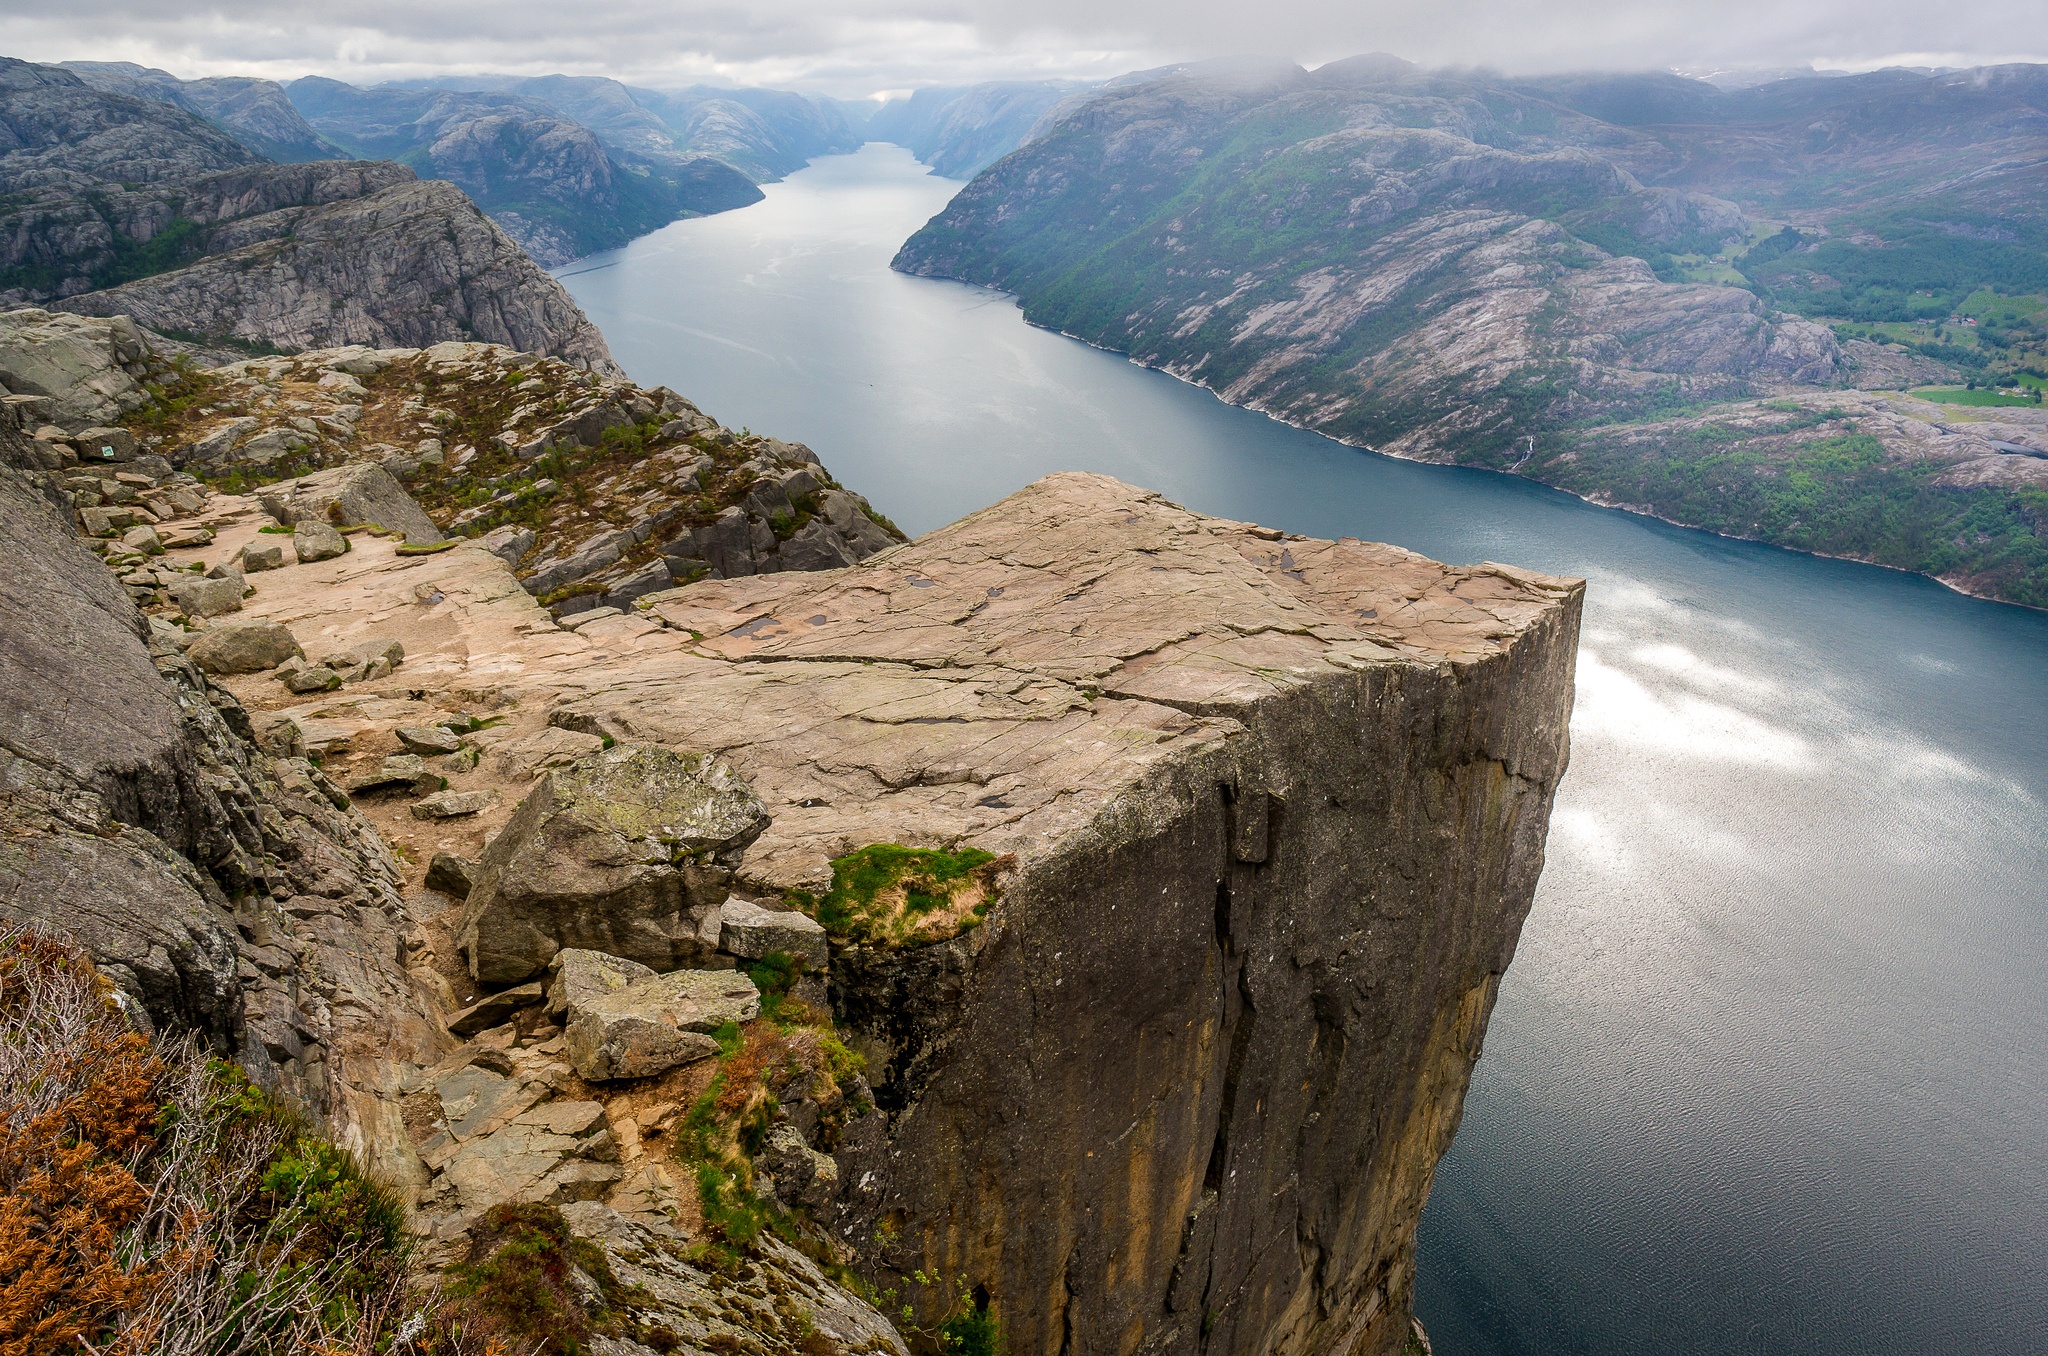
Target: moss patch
[{"x": 888, "y": 895}]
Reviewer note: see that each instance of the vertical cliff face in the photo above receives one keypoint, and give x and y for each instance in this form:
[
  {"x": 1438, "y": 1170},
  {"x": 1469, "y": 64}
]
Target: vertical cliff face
[{"x": 1277, "y": 809}]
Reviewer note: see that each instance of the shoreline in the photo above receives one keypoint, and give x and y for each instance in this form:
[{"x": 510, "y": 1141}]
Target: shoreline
[{"x": 1631, "y": 509}]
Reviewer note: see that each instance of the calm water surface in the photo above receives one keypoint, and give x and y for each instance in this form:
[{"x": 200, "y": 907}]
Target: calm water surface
[{"x": 1769, "y": 1073}]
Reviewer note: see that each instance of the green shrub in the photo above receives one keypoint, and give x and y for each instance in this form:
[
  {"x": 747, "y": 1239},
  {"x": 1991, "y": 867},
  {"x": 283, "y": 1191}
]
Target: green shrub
[
  {"x": 886, "y": 893},
  {"x": 515, "y": 1283}
]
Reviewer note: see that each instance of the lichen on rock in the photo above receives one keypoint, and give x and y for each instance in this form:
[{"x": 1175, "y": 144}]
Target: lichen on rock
[{"x": 628, "y": 851}]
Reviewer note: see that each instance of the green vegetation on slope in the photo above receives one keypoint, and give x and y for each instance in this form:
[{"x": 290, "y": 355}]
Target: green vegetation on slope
[{"x": 1838, "y": 495}]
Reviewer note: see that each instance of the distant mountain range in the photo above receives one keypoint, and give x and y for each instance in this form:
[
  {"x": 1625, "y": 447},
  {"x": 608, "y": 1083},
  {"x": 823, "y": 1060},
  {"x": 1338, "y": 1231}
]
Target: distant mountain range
[
  {"x": 959, "y": 130},
  {"x": 567, "y": 165},
  {"x": 1646, "y": 289}
]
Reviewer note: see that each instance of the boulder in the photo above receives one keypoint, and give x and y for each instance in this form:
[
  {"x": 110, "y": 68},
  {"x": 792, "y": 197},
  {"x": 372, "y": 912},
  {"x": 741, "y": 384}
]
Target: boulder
[
  {"x": 106, "y": 443},
  {"x": 450, "y": 804},
  {"x": 303, "y": 678},
  {"x": 208, "y": 597},
  {"x": 509, "y": 543},
  {"x": 654, "y": 1024},
  {"x": 576, "y": 975},
  {"x": 350, "y": 496},
  {"x": 450, "y": 874},
  {"x": 628, "y": 850},
  {"x": 243, "y": 647},
  {"x": 261, "y": 556},
  {"x": 802, "y": 1175},
  {"x": 752, "y": 932},
  {"x": 314, "y": 540},
  {"x": 143, "y": 540},
  {"x": 399, "y": 771},
  {"x": 427, "y": 739},
  {"x": 495, "y": 1009},
  {"x": 77, "y": 362}
]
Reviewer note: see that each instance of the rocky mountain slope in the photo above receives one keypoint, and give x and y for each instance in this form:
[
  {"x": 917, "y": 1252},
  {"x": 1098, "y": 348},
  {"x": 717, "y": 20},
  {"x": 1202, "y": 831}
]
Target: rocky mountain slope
[
  {"x": 763, "y": 133},
  {"x": 117, "y": 205},
  {"x": 253, "y": 112},
  {"x": 1453, "y": 267},
  {"x": 959, "y": 130},
  {"x": 548, "y": 180},
  {"x": 1073, "y": 928},
  {"x": 595, "y": 491}
]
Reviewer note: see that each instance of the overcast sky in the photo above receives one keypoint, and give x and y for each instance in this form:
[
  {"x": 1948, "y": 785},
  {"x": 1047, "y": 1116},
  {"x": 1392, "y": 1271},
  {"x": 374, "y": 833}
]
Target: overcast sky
[{"x": 856, "y": 48}]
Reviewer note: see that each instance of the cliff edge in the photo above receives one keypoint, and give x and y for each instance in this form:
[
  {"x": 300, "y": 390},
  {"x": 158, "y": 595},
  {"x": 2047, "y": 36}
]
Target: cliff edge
[{"x": 1162, "y": 871}]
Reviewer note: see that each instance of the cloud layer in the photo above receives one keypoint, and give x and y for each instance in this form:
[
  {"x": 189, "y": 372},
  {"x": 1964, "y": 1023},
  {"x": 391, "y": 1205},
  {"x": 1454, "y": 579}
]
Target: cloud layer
[{"x": 854, "y": 48}]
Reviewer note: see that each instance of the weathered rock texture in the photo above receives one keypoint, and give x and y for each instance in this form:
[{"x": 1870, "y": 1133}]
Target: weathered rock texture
[
  {"x": 598, "y": 491},
  {"x": 628, "y": 851},
  {"x": 1268, "y": 810},
  {"x": 413, "y": 264},
  {"x": 1278, "y": 808},
  {"x": 124, "y": 205},
  {"x": 229, "y": 893}
]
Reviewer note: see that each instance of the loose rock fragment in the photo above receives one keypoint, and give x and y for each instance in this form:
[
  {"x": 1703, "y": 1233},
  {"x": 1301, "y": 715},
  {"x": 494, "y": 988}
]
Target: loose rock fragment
[{"x": 451, "y": 804}]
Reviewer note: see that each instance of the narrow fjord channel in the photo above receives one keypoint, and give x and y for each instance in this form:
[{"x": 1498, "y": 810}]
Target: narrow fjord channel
[{"x": 1770, "y": 1071}]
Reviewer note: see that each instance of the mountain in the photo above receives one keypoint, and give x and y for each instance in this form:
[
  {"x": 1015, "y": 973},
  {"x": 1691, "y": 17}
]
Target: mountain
[
  {"x": 1636, "y": 287},
  {"x": 254, "y": 112},
  {"x": 115, "y": 204},
  {"x": 959, "y": 130},
  {"x": 763, "y": 133},
  {"x": 547, "y": 179}
]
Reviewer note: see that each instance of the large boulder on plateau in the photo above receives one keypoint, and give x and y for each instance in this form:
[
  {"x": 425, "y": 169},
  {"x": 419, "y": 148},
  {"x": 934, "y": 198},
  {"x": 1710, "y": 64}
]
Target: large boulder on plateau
[
  {"x": 243, "y": 647},
  {"x": 79, "y": 363},
  {"x": 628, "y": 850},
  {"x": 350, "y": 496}
]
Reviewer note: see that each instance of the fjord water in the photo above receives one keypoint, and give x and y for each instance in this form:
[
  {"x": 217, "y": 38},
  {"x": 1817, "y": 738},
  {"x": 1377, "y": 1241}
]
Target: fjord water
[{"x": 1770, "y": 1070}]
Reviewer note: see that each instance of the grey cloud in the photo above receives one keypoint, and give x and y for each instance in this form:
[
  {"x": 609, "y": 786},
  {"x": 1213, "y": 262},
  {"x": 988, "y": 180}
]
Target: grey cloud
[{"x": 853, "y": 47}]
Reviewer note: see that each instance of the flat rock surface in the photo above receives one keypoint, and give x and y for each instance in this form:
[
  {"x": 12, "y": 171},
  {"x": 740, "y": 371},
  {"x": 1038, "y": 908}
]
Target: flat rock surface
[{"x": 998, "y": 681}]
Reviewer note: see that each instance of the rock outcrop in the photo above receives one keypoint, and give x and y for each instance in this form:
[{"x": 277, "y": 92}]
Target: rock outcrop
[
  {"x": 229, "y": 893},
  {"x": 596, "y": 490},
  {"x": 1157, "y": 871},
  {"x": 1300, "y": 787},
  {"x": 123, "y": 205},
  {"x": 628, "y": 851},
  {"x": 411, "y": 265}
]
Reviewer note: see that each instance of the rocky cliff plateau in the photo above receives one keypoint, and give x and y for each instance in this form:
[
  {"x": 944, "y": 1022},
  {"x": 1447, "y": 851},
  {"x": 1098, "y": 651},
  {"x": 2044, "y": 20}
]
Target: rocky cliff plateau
[
  {"x": 1453, "y": 267},
  {"x": 1084, "y": 918}
]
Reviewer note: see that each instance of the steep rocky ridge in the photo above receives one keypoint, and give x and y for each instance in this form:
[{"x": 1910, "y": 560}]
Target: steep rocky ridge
[
  {"x": 548, "y": 180},
  {"x": 118, "y": 205},
  {"x": 253, "y": 112},
  {"x": 1450, "y": 267}
]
